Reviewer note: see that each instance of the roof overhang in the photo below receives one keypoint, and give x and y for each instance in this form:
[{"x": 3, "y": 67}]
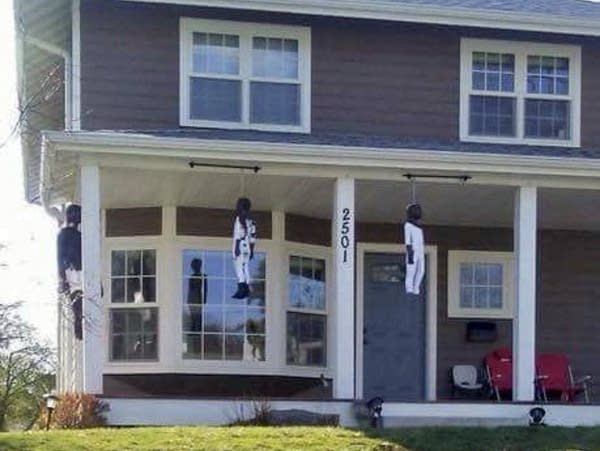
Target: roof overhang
[
  {"x": 316, "y": 156},
  {"x": 396, "y": 11}
]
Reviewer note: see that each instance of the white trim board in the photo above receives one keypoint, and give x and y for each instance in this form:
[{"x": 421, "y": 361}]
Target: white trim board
[
  {"x": 430, "y": 314},
  {"x": 76, "y": 66},
  {"x": 397, "y": 11},
  {"x": 163, "y": 412},
  {"x": 98, "y": 143}
]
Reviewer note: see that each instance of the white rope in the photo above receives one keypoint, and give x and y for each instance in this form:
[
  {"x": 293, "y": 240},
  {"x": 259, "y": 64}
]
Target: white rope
[{"x": 413, "y": 191}]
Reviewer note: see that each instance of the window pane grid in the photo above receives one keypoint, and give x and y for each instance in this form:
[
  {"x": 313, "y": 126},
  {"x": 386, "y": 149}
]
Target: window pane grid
[
  {"x": 306, "y": 321},
  {"x": 492, "y": 116},
  {"x": 134, "y": 334},
  {"x": 275, "y": 57},
  {"x": 481, "y": 285},
  {"x": 263, "y": 88},
  {"x": 306, "y": 339},
  {"x": 215, "y": 326},
  {"x": 547, "y": 75},
  {"x": 493, "y": 72},
  {"x": 215, "y": 53},
  {"x": 547, "y": 118},
  {"x": 133, "y": 276},
  {"x": 523, "y": 74},
  {"x": 306, "y": 283}
]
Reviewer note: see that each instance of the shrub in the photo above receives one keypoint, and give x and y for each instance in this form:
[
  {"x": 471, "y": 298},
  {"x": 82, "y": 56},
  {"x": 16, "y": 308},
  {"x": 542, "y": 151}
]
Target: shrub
[
  {"x": 77, "y": 411},
  {"x": 259, "y": 414}
]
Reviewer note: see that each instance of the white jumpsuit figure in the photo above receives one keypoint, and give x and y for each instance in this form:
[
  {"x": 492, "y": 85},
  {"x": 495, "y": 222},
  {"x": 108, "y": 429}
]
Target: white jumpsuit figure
[
  {"x": 415, "y": 271},
  {"x": 246, "y": 236}
]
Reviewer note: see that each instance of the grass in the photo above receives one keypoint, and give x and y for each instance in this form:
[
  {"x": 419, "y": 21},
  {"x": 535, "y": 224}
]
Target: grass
[{"x": 304, "y": 438}]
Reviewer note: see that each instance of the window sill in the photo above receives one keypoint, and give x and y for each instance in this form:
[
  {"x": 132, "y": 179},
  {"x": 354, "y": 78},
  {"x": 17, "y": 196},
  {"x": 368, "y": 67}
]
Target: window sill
[
  {"x": 216, "y": 367},
  {"x": 241, "y": 126},
  {"x": 520, "y": 141},
  {"x": 479, "y": 314}
]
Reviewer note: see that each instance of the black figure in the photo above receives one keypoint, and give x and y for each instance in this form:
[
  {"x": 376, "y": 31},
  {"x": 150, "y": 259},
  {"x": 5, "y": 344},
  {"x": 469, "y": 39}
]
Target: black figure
[
  {"x": 244, "y": 239},
  {"x": 415, "y": 249},
  {"x": 197, "y": 292},
  {"x": 69, "y": 266}
]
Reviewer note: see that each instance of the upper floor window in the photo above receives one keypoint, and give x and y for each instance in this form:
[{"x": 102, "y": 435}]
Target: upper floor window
[
  {"x": 244, "y": 75},
  {"x": 520, "y": 92}
]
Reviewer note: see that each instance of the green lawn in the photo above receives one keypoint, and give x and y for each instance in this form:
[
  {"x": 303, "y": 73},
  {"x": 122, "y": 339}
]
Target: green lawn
[{"x": 303, "y": 438}]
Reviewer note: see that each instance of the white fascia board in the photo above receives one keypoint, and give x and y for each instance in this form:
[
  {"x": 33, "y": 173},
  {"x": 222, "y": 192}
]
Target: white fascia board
[
  {"x": 99, "y": 143},
  {"x": 395, "y": 11}
]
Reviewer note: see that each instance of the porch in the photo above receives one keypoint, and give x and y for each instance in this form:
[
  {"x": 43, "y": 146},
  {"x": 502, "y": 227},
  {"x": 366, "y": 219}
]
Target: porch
[{"x": 158, "y": 203}]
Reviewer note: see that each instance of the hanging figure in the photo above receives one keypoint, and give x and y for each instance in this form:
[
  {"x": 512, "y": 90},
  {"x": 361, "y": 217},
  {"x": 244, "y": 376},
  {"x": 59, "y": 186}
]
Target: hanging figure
[
  {"x": 415, "y": 249},
  {"x": 244, "y": 239},
  {"x": 69, "y": 266}
]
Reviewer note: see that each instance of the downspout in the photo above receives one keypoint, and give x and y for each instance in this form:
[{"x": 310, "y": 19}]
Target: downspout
[{"x": 55, "y": 50}]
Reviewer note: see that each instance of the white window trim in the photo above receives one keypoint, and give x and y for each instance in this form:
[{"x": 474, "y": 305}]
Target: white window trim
[
  {"x": 313, "y": 252},
  {"x": 125, "y": 244},
  {"x": 218, "y": 244},
  {"x": 455, "y": 258},
  {"x": 521, "y": 50},
  {"x": 245, "y": 30}
]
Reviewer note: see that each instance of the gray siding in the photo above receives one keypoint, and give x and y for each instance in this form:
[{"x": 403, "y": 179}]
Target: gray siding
[
  {"x": 392, "y": 79},
  {"x": 373, "y": 78},
  {"x": 133, "y": 221},
  {"x": 590, "y": 99},
  {"x": 194, "y": 221}
]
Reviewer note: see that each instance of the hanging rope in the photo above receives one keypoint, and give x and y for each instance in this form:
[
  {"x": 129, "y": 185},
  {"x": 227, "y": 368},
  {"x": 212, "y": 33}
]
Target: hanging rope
[
  {"x": 413, "y": 190},
  {"x": 242, "y": 184}
]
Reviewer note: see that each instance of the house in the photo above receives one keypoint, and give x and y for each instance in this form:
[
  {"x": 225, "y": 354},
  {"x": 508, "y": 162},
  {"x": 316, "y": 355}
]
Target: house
[{"x": 331, "y": 116}]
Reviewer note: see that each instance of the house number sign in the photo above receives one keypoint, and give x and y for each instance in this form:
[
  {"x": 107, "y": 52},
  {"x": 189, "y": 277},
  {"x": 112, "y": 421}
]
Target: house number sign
[{"x": 345, "y": 235}]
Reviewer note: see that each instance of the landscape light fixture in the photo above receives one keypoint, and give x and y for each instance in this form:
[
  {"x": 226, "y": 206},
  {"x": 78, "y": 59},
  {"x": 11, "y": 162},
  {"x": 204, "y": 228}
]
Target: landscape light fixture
[
  {"x": 51, "y": 401},
  {"x": 536, "y": 416}
]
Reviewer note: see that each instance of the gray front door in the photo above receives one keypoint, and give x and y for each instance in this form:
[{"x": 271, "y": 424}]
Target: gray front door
[{"x": 394, "y": 332}]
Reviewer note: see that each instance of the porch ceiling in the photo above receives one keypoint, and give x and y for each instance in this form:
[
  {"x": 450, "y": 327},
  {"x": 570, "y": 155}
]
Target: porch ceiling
[{"x": 376, "y": 200}]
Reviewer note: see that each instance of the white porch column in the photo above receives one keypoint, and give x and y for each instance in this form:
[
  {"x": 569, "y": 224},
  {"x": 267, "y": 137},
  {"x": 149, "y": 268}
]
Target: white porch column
[
  {"x": 525, "y": 234},
  {"x": 93, "y": 343},
  {"x": 343, "y": 288}
]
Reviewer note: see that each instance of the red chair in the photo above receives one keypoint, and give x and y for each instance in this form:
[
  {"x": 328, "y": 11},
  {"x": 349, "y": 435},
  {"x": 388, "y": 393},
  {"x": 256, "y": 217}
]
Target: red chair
[
  {"x": 498, "y": 367},
  {"x": 555, "y": 379}
]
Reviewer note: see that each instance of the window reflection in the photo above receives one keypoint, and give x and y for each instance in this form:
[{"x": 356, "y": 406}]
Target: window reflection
[
  {"x": 306, "y": 317},
  {"x": 215, "y": 326}
]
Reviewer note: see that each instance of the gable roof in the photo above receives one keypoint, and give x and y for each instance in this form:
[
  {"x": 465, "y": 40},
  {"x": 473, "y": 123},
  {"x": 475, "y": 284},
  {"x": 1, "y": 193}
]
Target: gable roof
[{"x": 578, "y": 17}]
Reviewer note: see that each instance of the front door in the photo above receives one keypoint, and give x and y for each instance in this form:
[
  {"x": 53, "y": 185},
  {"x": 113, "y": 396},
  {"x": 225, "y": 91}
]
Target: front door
[{"x": 394, "y": 332}]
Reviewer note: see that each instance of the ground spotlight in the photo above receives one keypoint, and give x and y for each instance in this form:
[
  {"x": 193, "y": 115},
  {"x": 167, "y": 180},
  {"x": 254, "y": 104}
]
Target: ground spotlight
[{"x": 536, "y": 416}]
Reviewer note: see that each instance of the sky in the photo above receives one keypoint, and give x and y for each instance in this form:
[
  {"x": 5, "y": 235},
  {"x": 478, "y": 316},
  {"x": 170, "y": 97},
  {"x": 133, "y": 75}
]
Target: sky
[{"x": 27, "y": 263}]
